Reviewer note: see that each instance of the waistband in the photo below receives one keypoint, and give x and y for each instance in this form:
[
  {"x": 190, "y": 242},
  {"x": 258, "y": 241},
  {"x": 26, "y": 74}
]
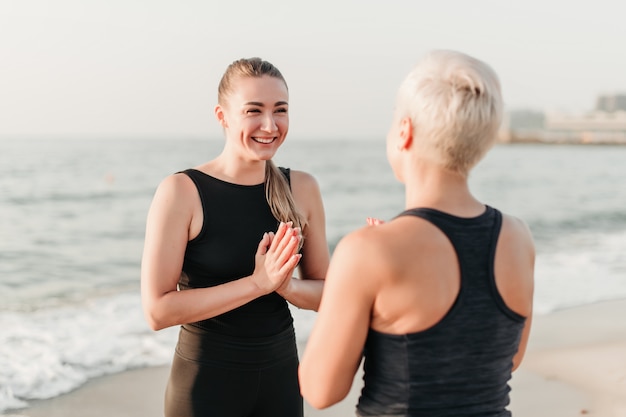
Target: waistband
[{"x": 233, "y": 352}]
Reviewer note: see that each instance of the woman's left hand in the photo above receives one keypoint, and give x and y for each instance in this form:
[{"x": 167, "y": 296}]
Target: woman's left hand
[{"x": 276, "y": 258}]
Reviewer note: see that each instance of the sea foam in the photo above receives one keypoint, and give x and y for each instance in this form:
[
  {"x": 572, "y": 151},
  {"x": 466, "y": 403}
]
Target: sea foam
[{"x": 53, "y": 351}]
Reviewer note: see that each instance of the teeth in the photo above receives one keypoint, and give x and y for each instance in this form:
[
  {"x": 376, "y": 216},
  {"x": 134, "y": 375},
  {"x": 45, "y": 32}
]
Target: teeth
[{"x": 265, "y": 141}]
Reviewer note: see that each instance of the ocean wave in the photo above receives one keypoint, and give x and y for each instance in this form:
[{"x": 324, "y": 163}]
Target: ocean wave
[
  {"x": 49, "y": 352},
  {"x": 77, "y": 197},
  {"x": 598, "y": 222},
  {"x": 52, "y": 351},
  {"x": 580, "y": 269}
]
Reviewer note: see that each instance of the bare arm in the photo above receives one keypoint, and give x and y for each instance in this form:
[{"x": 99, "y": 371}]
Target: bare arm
[
  {"x": 334, "y": 349},
  {"x": 306, "y": 292},
  {"x": 515, "y": 264},
  {"x": 167, "y": 232},
  {"x": 521, "y": 350}
]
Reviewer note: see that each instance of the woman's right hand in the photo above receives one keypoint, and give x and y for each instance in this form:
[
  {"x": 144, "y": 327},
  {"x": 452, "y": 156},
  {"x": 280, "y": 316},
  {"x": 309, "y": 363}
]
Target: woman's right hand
[
  {"x": 372, "y": 221},
  {"x": 276, "y": 258}
]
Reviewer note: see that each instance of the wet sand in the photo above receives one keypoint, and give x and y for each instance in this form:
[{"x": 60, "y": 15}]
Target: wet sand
[{"x": 575, "y": 365}]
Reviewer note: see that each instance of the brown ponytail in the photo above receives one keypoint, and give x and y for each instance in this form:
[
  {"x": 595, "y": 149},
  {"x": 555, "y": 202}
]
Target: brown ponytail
[{"x": 279, "y": 197}]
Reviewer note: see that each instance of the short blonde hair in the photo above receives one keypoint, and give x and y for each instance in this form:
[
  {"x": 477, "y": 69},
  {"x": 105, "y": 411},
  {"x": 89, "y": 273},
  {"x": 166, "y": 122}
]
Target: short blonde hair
[{"x": 455, "y": 104}]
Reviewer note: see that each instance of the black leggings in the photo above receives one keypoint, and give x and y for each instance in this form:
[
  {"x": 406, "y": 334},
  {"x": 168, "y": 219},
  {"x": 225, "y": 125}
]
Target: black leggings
[{"x": 206, "y": 388}]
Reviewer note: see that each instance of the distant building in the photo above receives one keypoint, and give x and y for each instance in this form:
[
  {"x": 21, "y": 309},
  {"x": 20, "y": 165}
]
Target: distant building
[
  {"x": 522, "y": 124},
  {"x": 611, "y": 103},
  {"x": 605, "y": 124},
  {"x": 526, "y": 120}
]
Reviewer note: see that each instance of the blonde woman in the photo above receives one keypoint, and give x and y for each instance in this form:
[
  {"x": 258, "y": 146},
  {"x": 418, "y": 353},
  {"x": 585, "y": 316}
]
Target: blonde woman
[
  {"x": 222, "y": 241},
  {"x": 439, "y": 299}
]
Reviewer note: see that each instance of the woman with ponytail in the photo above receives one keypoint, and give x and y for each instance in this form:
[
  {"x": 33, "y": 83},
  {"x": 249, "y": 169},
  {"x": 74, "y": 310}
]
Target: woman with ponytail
[{"x": 222, "y": 242}]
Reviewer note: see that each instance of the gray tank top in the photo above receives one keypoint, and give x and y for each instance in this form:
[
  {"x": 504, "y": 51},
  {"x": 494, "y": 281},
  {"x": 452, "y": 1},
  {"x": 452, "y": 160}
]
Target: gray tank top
[{"x": 460, "y": 366}]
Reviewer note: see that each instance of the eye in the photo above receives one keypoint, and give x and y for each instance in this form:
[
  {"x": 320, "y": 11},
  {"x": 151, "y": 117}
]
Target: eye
[
  {"x": 253, "y": 111},
  {"x": 281, "y": 110}
]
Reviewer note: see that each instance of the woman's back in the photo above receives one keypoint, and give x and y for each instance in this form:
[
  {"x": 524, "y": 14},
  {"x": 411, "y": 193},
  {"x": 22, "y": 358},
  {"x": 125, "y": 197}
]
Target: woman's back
[
  {"x": 439, "y": 299},
  {"x": 442, "y": 339}
]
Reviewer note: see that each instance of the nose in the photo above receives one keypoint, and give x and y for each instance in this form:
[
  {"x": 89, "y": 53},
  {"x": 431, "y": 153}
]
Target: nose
[{"x": 269, "y": 124}]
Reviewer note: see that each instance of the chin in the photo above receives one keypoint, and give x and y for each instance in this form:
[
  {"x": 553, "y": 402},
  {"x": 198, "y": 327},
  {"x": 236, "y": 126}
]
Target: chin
[{"x": 265, "y": 155}]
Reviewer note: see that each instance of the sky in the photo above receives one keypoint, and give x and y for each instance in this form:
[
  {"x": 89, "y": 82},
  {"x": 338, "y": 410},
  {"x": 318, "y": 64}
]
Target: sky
[{"x": 150, "y": 68}]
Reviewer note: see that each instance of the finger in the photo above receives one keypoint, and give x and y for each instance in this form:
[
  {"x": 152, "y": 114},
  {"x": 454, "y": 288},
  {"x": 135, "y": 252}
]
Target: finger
[
  {"x": 281, "y": 240},
  {"x": 290, "y": 264},
  {"x": 288, "y": 248},
  {"x": 280, "y": 232},
  {"x": 282, "y": 251},
  {"x": 263, "y": 244}
]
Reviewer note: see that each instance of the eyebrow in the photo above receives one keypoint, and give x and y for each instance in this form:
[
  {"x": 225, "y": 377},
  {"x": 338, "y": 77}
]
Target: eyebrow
[{"x": 259, "y": 104}]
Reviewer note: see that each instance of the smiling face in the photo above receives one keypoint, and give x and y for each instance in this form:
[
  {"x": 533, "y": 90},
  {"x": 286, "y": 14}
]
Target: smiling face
[{"x": 255, "y": 116}]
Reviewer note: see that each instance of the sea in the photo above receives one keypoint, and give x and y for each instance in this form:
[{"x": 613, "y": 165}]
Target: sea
[{"x": 72, "y": 222}]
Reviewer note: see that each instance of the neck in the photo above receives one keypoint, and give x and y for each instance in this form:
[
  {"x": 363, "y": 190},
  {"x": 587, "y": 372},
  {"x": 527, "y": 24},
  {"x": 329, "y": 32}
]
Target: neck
[
  {"x": 432, "y": 186},
  {"x": 237, "y": 170}
]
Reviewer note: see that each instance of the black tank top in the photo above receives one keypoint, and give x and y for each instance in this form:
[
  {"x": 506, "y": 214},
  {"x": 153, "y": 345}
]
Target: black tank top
[
  {"x": 235, "y": 218},
  {"x": 460, "y": 366}
]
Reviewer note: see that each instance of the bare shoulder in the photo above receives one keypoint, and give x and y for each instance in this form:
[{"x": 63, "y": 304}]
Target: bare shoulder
[
  {"x": 176, "y": 195},
  {"x": 514, "y": 265},
  {"x": 372, "y": 247},
  {"x": 303, "y": 180},
  {"x": 363, "y": 238},
  {"x": 515, "y": 222},
  {"x": 176, "y": 185},
  {"x": 307, "y": 194},
  {"x": 393, "y": 236},
  {"x": 516, "y": 231}
]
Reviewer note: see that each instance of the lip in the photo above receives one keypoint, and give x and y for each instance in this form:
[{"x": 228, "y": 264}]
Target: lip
[{"x": 264, "y": 141}]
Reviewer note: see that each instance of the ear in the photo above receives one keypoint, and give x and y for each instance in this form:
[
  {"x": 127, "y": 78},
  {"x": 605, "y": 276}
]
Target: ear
[
  {"x": 406, "y": 134},
  {"x": 220, "y": 116}
]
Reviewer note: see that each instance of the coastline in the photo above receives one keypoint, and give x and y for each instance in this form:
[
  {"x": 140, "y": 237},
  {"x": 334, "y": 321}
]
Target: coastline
[{"x": 575, "y": 365}]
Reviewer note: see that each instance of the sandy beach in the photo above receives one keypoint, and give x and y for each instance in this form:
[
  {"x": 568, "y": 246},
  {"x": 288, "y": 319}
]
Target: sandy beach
[{"x": 575, "y": 365}]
